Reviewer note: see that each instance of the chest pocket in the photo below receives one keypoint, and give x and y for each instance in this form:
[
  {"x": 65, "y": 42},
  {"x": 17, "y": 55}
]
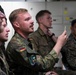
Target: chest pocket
[{"x": 45, "y": 45}]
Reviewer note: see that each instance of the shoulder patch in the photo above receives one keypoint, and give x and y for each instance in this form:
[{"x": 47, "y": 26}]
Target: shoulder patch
[{"x": 22, "y": 49}]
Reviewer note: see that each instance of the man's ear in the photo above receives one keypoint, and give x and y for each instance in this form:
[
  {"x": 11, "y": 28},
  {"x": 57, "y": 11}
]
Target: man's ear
[
  {"x": 16, "y": 24},
  {"x": 40, "y": 20}
]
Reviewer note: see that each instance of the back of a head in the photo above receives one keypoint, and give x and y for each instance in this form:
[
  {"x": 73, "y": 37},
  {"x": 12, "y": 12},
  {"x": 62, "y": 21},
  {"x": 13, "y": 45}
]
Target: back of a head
[
  {"x": 73, "y": 22},
  {"x": 14, "y": 14},
  {"x": 41, "y": 13}
]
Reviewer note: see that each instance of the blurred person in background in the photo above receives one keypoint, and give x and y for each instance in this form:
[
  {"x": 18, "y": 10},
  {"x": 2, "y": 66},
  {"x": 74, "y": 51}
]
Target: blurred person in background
[
  {"x": 69, "y": 49},
  {"x": 4, "y": 30}
]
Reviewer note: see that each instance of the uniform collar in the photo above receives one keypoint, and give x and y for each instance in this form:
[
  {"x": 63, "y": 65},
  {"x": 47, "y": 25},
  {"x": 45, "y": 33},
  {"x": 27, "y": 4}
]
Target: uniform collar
[
  {"x": 41, "y": 32},
  {"x": 23, "y": 39},
  {"x": 26, "y": 41}
]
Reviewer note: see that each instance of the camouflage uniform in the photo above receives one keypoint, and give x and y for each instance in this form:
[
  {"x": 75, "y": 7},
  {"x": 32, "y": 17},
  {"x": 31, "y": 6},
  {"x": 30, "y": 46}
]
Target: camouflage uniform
[
  {"x": 4, "y": 68},
  {"x": 69, "y": 53},
  {"x": 43, "y": 44},
  {"x": 26, "y": 61}
]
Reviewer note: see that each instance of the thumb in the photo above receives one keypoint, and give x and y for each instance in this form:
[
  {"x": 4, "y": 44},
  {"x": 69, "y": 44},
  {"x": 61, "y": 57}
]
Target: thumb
[{"x": 64, "y": 33}]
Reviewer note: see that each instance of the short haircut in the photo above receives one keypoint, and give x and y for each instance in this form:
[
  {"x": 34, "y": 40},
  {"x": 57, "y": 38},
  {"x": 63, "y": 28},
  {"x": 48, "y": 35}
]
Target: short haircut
[
  {"x": 73, "y": 22},
  {"x": 41, "y": 13},
  {"x": 14, "y": 14}
]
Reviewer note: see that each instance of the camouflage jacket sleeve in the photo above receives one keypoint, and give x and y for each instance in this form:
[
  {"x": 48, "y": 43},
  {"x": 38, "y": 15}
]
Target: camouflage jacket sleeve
[
  {"x": 48, "y": 61},
  {"x": 31, "y": 59},
  {"x": 20, "y": 53}
]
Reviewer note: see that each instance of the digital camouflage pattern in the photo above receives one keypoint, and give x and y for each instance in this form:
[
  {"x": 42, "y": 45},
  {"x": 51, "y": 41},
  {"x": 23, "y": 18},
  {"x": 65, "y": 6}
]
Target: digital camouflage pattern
[
  {"x": 69, "y": 53},
  {"x": 26, "y": 61}
]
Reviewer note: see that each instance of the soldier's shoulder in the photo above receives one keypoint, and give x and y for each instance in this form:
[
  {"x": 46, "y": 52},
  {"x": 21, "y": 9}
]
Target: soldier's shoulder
[
  {"x": 14, "y": 43},
  {"x": 34, "y": 34}
]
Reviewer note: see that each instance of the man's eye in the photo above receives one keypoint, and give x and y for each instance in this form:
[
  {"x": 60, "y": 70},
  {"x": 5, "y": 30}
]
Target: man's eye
[{"x": 27, "y": 19}]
